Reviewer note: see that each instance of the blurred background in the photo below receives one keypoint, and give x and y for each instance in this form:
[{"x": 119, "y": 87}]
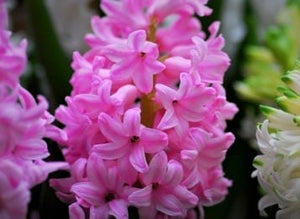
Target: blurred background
[{"x": 262, "y": 39}]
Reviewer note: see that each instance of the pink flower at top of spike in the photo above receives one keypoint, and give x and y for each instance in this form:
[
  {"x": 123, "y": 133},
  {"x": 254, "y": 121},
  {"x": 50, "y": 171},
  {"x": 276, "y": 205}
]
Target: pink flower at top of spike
[
  {"x": 124, "y": 14},
  {"x": 129, "y": 137},
  {"x": 178, "y": 26},
  {"x": 162, "y": 9},
  {"x": 204, "y": 57},
  {"x": 136, "y": 60}
]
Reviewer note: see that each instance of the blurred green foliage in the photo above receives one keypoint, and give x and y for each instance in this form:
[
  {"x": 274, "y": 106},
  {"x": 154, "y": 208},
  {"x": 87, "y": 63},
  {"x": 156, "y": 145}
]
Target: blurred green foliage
[
  {"x": 267, "y": 62},
  {"x": 50, "y": 53}
]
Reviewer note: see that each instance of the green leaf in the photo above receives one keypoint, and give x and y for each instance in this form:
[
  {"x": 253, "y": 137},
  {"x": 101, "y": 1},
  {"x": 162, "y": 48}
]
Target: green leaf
[{"x": 50, "y": 53}]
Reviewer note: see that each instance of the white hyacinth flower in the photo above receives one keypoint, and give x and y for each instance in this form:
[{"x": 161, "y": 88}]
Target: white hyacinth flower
[{"x": 278, "y": 138}]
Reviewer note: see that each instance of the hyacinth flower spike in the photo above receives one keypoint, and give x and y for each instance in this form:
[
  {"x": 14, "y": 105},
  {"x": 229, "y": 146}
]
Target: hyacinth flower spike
[
  {"x": 139, "y": 98},
  {"x": 24, "y": 123},
  {"x": 277, "y": 168}
]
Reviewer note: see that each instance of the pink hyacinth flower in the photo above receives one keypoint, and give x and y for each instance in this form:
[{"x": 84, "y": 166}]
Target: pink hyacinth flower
[
  {"x": 129, "y": 138},
  {"x": 187, "y": 104},
  {"x": 136, "y": 60},
  {"x": 104, "y": 193},
  {"x": 162, "y": 191}
]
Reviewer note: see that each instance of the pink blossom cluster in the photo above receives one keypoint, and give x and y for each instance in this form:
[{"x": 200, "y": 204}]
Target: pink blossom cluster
[
  {"x": 23, "y": 125},
  {"x": 146, "y": 118}
]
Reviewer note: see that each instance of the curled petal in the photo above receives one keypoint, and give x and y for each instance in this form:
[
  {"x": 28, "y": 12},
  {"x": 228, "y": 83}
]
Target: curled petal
[
  {"x": 132, "y": 121},
  {"x": 157, "y": 168},
  {"x": 118, "y": 208},
  {"x": 110, "y": 151},
  {"x": 88, "y": 193},
  {"x": 137, "y": 158},
  {"x": 153, "y": 140},
  {"x": 141, "y": 197},
  {"x": 76, "y": 212},
  {"x": 111, "y": 128},
  {"x": 174, "y": 174}
]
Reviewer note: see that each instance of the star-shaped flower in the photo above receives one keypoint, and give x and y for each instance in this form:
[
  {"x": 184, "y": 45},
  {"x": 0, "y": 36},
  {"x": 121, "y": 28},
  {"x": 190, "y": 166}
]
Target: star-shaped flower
[
  {"x": 136, "y": 60},
  {"x": 129, "y": 138}
]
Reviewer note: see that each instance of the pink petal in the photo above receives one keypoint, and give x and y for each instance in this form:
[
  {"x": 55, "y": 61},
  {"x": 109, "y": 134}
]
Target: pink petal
[
  {"x": 39, "y": 170},
  {"x": 154, "y": 66},
  {"x": 157, "y": 169},
  {"x": 127, "y": 94},
  {"x": 137, "y": 158},
  {"x": 142, "y": 197},
  {"x": 16, "y": 200},
  {"x": 113, "y": 180},
  {"x": 189, "y": 155},
  {"x": 214, "y": 28},
  {"x": 189, "y": 113},
  {"x": 153, "y": 140},
  {"x": 132, "y": 121},
  {"x": 126, "y": 171},
  {"x": 191, "y": 179},
  {"x": 118, "y": 208},
  {"x": 78, "y": 169},
  {"x": 201, "y": 46},
  {"x": 124, "y": 70},
  {"x": 111, "y": 150},
  {"x": 185, "y": 84},
  {"x": 104, "y": 92},
  {"x": 112, "y": 129},
  {"x": 142, "y": 79},
  {"x": 170, "y": 205},
  {"x": 96, "y": 175},
  {"x": 165, "y": 95},
  {"x": 88, "y": 192},
  {"x": 111, "y": 8},
  {"x": 174, "y": 174},
  {"x": 76, "y": 212},
  {"x": 32, "y": 149},
  {"x": 136, "y": 40},
  {"x": 56, "y": 134},
  {"x": 187, "y": 198},
  {"x": 26, "y": 98},
  {"x": 151, "y": 51},
  {"x": 116, "y": 52},
  {"x": 99, "y": 212},
  {"x": 169, "y": 120}
]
